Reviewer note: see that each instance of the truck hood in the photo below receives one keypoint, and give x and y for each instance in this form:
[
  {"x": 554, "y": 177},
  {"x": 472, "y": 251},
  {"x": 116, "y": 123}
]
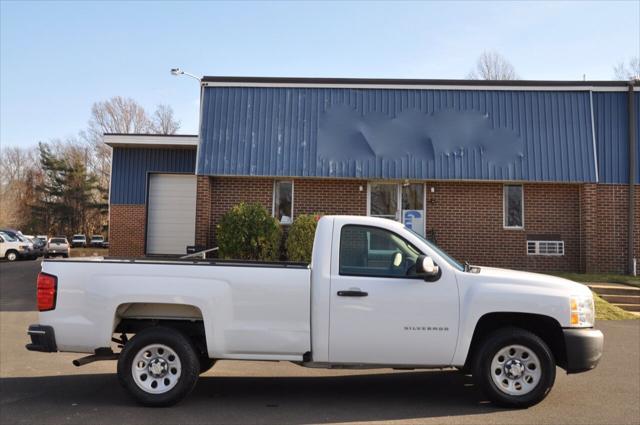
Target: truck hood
[{"x": 514, "y": 277}]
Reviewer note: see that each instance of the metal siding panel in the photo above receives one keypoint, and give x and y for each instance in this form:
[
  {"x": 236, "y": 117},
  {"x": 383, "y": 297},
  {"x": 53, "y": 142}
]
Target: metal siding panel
[
  {"x": 131, "y": 165},
  {"x": 612, "y": 135},
  {"x": 553, "y": 128}
]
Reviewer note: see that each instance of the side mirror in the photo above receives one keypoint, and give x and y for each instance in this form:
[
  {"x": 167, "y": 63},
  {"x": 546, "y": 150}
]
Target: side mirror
[{"x": 426, "y": 267}]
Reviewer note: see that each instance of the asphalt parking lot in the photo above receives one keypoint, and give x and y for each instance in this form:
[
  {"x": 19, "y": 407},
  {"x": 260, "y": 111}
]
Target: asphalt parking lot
[{"x": 45, "y": 388}]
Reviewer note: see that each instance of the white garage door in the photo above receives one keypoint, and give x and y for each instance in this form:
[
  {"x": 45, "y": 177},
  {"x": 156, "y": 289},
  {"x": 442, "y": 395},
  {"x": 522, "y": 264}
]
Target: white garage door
[{"x": 171, "y": 218}]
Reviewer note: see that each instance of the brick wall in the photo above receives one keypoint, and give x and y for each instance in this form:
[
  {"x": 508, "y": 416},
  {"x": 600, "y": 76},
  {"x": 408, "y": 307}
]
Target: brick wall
[
  {"x": 127, "y": 230},
  {"x": 611, "y": 218},
  {"x": 330, "y": 196},
  {"x": 468, "y": 222},
  {"x": 309, "y": 196},
  {"x": 229, "y": 191},
  {"x": 466, "y": 217},
  {"x": 203, "y": 211},
  {"x": 588, "y": 227}
]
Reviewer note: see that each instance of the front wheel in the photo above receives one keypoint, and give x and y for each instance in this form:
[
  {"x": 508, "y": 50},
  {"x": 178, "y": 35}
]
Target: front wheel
[
  {"x": 515, "y": 368},
  {"x": 159, "y": 366},
  {"x": 11, "y": 256}
]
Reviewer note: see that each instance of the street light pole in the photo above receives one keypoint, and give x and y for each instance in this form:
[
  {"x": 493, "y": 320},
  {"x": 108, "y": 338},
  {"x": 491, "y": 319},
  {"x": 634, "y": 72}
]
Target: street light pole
[{"x": 178, "y": 71}]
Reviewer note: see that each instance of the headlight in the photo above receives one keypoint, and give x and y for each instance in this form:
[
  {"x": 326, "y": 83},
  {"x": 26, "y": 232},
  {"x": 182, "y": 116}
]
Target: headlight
[{"x": 582, "y": 311}]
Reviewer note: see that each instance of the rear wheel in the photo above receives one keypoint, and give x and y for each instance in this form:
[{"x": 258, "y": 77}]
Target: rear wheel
[
  {"x": 515, "y": 368},
  {"x": 11, "y": 256},
  {"x": 159, "y": 366}
]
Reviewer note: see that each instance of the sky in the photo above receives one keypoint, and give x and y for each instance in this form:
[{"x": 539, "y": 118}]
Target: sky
[{"x": 58, "y": 58}]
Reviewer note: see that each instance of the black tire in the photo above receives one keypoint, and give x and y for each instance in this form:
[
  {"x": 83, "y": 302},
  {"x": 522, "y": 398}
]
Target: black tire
[
  {"x": 500, "y": 339},
  {"x": 186, "y": 353},
  {"x": 205, "y": 364}
]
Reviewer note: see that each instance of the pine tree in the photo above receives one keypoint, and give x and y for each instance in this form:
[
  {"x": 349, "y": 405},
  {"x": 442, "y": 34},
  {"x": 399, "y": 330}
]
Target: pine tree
[{"x": 68, "y": 195}]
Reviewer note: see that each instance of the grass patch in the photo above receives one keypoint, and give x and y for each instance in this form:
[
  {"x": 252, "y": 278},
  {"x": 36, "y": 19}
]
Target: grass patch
[
  {"x": 607, "y": 311},
  {"x": 601, "y": 278},
  {"x": 89, "y": 252}
]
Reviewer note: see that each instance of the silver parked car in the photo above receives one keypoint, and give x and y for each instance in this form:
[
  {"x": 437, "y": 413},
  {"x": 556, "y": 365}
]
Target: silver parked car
[{"x": 57, "y": 246}]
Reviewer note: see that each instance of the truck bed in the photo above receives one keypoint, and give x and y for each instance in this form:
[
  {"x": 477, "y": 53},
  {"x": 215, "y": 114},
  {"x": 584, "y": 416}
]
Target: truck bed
[{"x": 250, "y": 310}]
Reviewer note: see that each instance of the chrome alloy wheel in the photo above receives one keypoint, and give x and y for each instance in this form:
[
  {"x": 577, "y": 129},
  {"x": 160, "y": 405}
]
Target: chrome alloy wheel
[
  {"x": 515, "y": 370},
  {"x": 156, "y": 369}
]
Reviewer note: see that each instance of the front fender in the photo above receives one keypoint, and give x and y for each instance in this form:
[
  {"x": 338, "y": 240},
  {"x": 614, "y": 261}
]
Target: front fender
[{"x": 479, "y": 300}]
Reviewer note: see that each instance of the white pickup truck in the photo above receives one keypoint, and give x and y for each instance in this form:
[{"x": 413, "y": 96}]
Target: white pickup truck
[{"x": 375, "y": 295}]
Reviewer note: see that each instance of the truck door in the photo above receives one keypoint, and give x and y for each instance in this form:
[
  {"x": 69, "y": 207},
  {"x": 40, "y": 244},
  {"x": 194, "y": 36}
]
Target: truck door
[{"x": 381, "y": 312}]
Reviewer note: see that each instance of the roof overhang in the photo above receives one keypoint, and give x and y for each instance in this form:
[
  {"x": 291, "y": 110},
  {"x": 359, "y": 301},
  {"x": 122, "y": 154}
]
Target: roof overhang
[
  {"x": 182, "y": 141},
  {"x": 414, "y": 84}
]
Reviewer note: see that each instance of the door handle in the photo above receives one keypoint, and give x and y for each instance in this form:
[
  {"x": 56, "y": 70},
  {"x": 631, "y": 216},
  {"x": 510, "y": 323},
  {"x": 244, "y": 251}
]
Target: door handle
[{"x": 352, "y": 293}]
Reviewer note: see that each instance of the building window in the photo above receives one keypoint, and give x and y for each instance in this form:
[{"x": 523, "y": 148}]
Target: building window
[
  {"x": 413, "y": 196},
  {"x": 545, "y": 247},
  {"x": 513, "y": 205},
  {"x": 383, "y": 200},
  {"x": 283, "y": 201},
  {"x": 388, "y": 200},
  {"x": 404, "y": 202}
]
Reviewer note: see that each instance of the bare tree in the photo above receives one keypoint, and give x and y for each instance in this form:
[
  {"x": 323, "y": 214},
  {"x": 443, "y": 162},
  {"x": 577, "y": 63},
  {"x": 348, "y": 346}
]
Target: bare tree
[
  {"x": 492, "y": 65},
  {"x": 118, "y": 115},
  {"x": 121, "y": 115},
  {"x": 628, "y": 71},
  {"x": 18, "y": 169},
  {"x": 163, "y": 121}
]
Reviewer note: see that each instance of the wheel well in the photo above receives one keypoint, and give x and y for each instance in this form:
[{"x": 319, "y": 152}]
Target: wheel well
[
  {"x": 545, "y": 327},
  {"x": 132, "y": 318}
]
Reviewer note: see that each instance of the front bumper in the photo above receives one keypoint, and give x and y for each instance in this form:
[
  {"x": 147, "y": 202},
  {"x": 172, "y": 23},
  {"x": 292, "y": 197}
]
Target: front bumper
[
  {"x": 42, "y": 339},
  {"x": 584, "y": 349}
]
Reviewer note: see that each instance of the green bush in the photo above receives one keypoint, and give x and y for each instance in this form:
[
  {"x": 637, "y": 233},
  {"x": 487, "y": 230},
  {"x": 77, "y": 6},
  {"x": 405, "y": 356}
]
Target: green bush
[
  {"x": 248, "y": 232},
  {"x": 300, "y": 238}
]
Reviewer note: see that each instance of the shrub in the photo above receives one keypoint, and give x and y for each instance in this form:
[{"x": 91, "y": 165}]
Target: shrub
[
  {"x": 300, "y": 238},
  {"x": 248, "y": 232}
]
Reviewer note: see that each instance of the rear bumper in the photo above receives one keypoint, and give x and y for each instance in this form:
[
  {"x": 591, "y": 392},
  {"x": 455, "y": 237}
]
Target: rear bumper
[
  {"x": 57, "y": 252},
  {"x": 584, "y": 349},
  {"x": 42, "y": 339}
]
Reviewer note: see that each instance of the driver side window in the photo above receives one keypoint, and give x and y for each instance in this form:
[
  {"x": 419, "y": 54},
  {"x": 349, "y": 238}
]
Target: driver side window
[{"x": 375, "y": 252}]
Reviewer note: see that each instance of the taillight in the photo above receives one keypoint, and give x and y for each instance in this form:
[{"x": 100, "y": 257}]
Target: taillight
[{"x": 47, "y": 289}]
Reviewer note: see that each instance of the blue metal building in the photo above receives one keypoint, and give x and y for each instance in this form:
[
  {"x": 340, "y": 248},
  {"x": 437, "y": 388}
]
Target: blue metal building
[{"x": 514, "y": 142}]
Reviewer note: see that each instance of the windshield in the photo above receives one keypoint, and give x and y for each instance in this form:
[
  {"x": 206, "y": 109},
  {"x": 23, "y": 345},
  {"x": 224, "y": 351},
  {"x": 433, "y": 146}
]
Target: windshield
[
  {"x": 78, "y": 237},
  {"x": 438, "y": 251},
  {"x": 58, "y": 240},
  {"x": 96, "y": 238},
  {"x": 7, "y": 237}
]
